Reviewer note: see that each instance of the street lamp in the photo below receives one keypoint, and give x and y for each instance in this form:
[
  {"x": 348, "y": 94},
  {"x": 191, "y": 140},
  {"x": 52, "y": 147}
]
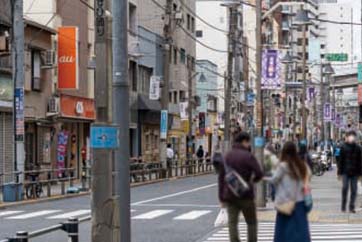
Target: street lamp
[{"x": 302, "y": 19}]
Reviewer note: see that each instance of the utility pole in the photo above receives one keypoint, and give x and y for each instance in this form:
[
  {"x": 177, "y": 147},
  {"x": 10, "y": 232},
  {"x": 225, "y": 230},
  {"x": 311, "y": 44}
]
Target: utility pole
[
  {"x": 304, "y": 73},
  {"x": 120, "y": 107},
  {"x": 18, "y": 80},
  {"x": 322, "y": 93},
  {"x": 259, "y": 146},
  {"x": 189, "y": 108},
  {"x": 229, "y": 80},
  {"x": 167, "y": 32},
  {"x": 102, "y": 206}
]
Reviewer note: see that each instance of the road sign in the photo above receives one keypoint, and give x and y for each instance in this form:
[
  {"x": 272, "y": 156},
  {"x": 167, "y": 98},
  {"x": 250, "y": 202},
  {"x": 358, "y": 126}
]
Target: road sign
[
  {"x": 340, "y": 57},
  {"x": 164, "y": 124},
  {"x": 104, "y": 137}
]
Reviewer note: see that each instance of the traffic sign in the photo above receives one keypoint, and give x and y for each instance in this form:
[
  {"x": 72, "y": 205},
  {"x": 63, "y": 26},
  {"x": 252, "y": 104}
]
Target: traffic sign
[{"x": 104, "y": 137}]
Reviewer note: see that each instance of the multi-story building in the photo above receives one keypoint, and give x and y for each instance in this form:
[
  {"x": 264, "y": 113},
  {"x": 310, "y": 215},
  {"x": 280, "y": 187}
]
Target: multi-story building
[
  {"x": 207, "y": 91},
  {"x": 182, "y": 60}
]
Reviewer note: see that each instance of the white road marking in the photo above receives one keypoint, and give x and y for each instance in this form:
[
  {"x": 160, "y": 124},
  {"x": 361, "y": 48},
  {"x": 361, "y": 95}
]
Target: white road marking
[
  {"x": 179, "y": 205},
  {"x": 319, "y": 232},
  {"x": 153, "y": 214},
  {"x": 7, "y": 213},
  {"x": 192, "y": 215},
  {"x": 34, "y": 214},
  {"x": 174, "y": 194},
  {"x": 70, "y": 214}
]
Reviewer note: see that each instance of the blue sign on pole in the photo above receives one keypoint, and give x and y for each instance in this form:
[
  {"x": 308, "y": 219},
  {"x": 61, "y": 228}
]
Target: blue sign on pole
[
  {"x": 19, "y": 114},
  {"x": 250, "y": 99},
  {"x": 359, "y": 73},
  {"x": 164, "y": 123},
  {"x": 259, "y": 142},
  {"x": 104, "y": 137}
]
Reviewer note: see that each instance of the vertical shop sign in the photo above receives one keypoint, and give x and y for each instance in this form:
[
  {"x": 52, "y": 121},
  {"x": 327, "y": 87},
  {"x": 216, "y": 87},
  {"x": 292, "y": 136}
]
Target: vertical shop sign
[
  {"x": 202, "y": 123},
  {"x": 164, "y": 124},
  {"x": 271, "y": 69},
  {"x": 19, "y": 110},
  {"x": 68, "y": 58},
  {"x": 61, "y": 152}
]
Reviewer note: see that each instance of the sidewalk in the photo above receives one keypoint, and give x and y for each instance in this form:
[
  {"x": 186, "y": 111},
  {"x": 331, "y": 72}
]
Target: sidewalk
[{"x": 326, "y": 192}]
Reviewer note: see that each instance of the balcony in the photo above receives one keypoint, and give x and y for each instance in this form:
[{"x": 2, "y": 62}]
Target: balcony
[{"x": 285, "y": 26}]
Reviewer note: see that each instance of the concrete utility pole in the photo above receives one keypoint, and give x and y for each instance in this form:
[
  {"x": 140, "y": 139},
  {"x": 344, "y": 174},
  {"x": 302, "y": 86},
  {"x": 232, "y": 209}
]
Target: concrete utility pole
[
  {"x": 189, "y": 109},
  {"x": 229, "y": 81},
  {"x": 102, "y": 205},
  {"x": 167, "y": 32},
  {"x": 120, "y": 106},
  {"x": 322, "y": 93},
  {"x": 259, "y": 147},
  {"x": 18, "y": 80}
]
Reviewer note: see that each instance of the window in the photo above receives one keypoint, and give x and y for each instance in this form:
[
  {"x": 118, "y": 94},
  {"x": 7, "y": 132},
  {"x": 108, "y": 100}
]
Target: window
[
  {"x": 175, "y": 97},
  {"x": 175, "y": 56},
  {"x": 132, "y": 75},
  {"x": 323, "y": 46},
  {"x": 193, "y": 25},
  {"x": 188, "y": 22},
  {"x": 183, "y": 55},
  {"x": 145, "y": 74},
  {"x": 182, "y": 96},
  {"x": 170, "y": 96},
  {"x": 35, "y": 71},
  {"x": 132, "y": 18},
  {"x": 199, "y": 33}
]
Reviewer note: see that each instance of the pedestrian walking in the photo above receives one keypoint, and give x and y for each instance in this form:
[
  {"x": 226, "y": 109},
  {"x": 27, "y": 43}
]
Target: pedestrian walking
[
  {"x": 349, "y": 170},
  {"x": 304, "y": 155},
  {"x": 170, "y": 155},
  {"x": 290, "y": 179},
  {"x": 241, "y": 161},
  {"x": 200, "y": 153}
]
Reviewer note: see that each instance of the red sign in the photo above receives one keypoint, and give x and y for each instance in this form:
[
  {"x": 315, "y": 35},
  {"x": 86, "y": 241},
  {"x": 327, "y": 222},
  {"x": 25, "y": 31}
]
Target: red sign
[
  {"x": 77, "y": 107},
  {"x": 68, "y": 58}
]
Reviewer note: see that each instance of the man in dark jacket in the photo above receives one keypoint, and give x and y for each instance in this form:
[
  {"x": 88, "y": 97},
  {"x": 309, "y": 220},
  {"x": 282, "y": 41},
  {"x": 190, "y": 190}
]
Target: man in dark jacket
[
  {"x": 244, "y": 163},
  {"x": 350, "y": 169}
]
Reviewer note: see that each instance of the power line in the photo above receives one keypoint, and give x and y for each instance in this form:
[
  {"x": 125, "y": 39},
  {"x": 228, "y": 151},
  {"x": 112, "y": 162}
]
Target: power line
[
  {"x": 201, "y": 19},
  {"x": 87, "y": 4}
]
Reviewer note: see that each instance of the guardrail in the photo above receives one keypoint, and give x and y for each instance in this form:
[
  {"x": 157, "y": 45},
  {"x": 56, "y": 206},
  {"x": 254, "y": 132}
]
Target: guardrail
[
  {"x": 46, "y": 183},
  {"x": 71, "y": 227}
]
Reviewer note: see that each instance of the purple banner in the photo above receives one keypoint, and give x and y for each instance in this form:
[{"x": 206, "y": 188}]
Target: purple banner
[
  {"x": 271, "y": 69},
  {"x": 338, "y": 120},
  {"x": 327, "y": 112},
  {"x": 311, "y": 94},
  {"x": 333, "y": 114}
]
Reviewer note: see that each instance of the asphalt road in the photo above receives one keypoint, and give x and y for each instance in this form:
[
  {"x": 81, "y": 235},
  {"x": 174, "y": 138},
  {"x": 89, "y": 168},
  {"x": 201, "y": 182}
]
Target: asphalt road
[{"x": 175, "y": 211}]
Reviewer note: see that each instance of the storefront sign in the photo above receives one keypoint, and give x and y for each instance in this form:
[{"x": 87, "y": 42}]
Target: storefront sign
[
  {"x": 327, "y": 112},
  {"x": 77, "y": 107},
  {"x": 19, "y": 117},
  {"x": 104, "y": 137},
  {"x": 359, "y": 94},
  {"x": 61, "y": 151},
  {"x": 155, "y": 87},
  {"x": 311, "y": 94},
  {"x": 68, "y": 58},
  {"x": 184, "y": 110},
  {"x": 271, "y": 69},
  {"x": 100, "y": 19},
  {"x": 164, "y": 124}
]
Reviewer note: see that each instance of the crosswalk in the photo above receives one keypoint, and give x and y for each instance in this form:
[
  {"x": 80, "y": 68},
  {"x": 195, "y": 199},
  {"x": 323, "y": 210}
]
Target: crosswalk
[
  {"x": 136, "y": 215},
  {"x": 319, "y": 232}
]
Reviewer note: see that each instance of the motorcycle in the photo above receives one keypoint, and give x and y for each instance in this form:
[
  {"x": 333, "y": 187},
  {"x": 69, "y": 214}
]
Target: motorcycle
[{"x": 317, "y": 165}]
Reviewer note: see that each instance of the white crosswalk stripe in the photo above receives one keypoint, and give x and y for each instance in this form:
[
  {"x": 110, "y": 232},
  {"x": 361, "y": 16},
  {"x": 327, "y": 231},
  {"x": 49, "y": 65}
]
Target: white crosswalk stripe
[
  {"x": 192, "y": 215},
  {"x": 33, "y": 214},
  {"x": 73, "y": 214},
  {"x": 153, "y": 214},
  {"x": 319, "y": 232},
  {"x": 8, "y": 213}
]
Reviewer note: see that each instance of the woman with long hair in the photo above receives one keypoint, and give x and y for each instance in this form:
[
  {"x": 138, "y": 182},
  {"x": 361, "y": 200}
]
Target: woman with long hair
[{"x": 289, "y": 180}]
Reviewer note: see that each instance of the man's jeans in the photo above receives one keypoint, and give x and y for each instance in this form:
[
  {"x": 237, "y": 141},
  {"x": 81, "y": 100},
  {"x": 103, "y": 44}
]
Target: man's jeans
[
  {"x": 349, "y": 182},
  {"x": 247, "y": 207}
]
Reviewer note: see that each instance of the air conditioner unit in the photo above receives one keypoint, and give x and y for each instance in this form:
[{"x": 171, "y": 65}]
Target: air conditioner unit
[
  {"x": 48, "y": 57},
  {"x": 53, "y": 106},
  {"x": 179, "y": 16}
]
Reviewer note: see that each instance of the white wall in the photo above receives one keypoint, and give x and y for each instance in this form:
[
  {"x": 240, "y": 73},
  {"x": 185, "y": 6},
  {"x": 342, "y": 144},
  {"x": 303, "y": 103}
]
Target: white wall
[{"x": 41, "y": 11}]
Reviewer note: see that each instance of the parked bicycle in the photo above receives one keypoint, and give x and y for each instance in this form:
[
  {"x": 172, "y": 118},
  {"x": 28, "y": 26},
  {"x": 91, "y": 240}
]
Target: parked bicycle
[{"x": 34, "y": 189}]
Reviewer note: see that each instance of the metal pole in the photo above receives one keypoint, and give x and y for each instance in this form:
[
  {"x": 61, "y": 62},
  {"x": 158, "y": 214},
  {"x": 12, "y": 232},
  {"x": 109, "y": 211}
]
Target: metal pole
[
  {"x": 328, "y": 101},
  {"x": 322, "y": 92},
  {"x": 120, "y": 106},
  {"x": 18, "y": 80},
  {"x": 102, "y": 158},
  {"x": 229, "y": 80},
  {"x": 304, "y": 108},
  {"x": 167, "y": 32},
  {"x": 190, "y": 139},
  {"x": 259, "y": 149}
]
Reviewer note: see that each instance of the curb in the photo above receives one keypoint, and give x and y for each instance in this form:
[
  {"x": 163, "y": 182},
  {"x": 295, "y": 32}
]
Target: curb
[{"x": 67, "y": 196}]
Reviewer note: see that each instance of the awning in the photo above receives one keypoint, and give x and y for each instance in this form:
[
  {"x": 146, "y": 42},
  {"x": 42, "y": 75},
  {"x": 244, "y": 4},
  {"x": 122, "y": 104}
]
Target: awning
[{"x": 146, "y": 104}]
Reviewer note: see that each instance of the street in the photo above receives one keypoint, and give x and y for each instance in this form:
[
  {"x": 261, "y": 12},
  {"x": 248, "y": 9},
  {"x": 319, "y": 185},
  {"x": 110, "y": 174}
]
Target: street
[{"x": 182, "y": 211}]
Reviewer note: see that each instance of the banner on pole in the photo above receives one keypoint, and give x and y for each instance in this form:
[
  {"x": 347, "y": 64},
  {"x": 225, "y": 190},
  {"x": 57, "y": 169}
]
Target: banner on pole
[
  {"x": 327, "y": 112},
  {"x": 202, "y": 123},
  {"x": 333, "y": 114},
  {"x": 164, "y": 124},
  {"x": 311, "y": 94},
  {"x": 359, "y": 73},
  {"x": 19, "y": 114},
  {"x": 338, "y": 120},
  {"x": 155, "y": 87},
  {"x": 184, "y": 110},
  {"x": 271, "y": 69}
]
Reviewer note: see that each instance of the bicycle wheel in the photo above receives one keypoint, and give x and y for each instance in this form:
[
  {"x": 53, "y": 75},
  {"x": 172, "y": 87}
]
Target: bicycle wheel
[
  {"x": 38, "y": 190},
  {"x": 29, "y": 191}
]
